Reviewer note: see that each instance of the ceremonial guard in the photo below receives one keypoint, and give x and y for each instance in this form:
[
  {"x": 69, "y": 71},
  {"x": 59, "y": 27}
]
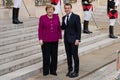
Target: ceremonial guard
[
  {"x": 87, "y": 8},
  {"x": 113, "y": 15},
  {"x": 15, "y": 14},
  {"x": 57, "y": 4}
]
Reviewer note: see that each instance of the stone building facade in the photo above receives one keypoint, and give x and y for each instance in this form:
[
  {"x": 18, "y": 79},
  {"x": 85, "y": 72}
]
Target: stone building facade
[{"x": 37, "y": 8}]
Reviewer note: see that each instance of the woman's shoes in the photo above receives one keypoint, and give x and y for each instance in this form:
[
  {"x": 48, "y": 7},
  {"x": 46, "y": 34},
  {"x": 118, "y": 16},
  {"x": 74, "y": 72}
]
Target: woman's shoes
[
  {"x": 55, "y": 74},
  {"x": 45, "y": 74},
  {"x": 69, "y": 73}
]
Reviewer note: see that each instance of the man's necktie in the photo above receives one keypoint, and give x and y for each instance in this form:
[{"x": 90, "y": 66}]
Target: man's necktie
[{"x": 67, "y": 19}]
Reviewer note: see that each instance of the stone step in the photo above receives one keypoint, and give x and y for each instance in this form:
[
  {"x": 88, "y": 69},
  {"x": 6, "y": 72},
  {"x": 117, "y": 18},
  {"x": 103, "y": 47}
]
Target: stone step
[
  {"x": 27, "y": 71},
  {"x": 34, "y": 69},
  {"x": 17, "y": 39},
  {"x": 18, "y": 32},
  {"x": 23, "y": 62},
  {"x": 11, "y": 56},
  {"x": 95, "y": 33},
  {"x": 23, "y": 44},
  {"x": 61, "y": 51},
  {"x": 97, "y": 45},
  {"x": 9, "y": 26},
  {"x": 100, "y": 10},
  {"x": 5, "y": 13},
  {"x": 18, "y": 46},
  {"x": 20, "y": 63},
  {"x": 92, "y": 40},
  {"x": 100, "y": 13},
  {"x": 7, "y": 57},
  {"x": 99, "y": 19},
  {"x": 7, "y": 22}
]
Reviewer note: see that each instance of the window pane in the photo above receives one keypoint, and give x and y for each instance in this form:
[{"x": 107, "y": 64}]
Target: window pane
[
  {"x": 41, "y": 2},
  {"x": 70, "y": 1},
  {"x": 7, "y": 3}
]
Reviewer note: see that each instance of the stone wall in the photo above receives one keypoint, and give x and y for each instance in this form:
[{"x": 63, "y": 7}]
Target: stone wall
[{"x": 37, "y": 11}]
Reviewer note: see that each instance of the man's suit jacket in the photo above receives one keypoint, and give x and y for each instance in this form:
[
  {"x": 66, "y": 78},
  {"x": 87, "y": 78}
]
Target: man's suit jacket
[{"x": 72, "y": 31}]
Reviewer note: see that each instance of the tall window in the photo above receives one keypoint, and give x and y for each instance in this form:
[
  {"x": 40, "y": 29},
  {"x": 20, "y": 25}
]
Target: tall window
[
  {"x": 73, "y": 0},
  {"x": 43, "y": 2},
  {"x": 7, "y": 3},
  {"x": 70, "y": 1}
]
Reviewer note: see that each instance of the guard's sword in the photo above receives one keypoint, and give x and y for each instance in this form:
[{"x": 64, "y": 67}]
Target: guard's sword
[{"x": 26, "y": 7}]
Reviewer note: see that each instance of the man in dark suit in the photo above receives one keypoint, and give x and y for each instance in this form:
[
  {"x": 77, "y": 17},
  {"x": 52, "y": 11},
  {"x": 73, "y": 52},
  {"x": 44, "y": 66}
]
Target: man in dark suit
[{"x": 72, "y": 36}]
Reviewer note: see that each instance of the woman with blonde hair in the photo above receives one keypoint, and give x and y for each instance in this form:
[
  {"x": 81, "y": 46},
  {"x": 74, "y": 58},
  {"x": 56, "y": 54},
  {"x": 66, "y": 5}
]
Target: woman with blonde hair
[{"x": 49, "y": 34}]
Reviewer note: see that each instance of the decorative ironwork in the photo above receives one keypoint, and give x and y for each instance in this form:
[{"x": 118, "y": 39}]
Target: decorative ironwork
[
  {"x": 70, "y": 1},
  {"x": 73, "y": 1},
  {"x": 41, "y": 2},
  {"x": 7, "y": 3}
]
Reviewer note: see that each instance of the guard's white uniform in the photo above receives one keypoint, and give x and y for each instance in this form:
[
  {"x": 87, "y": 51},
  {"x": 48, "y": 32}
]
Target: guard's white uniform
[
  {"x": 57, "y": 8},
  {"x": 117, "y": 2},
  {"x": 113, "y": 15},
  {"x": 17, "y": 3},
  {"x": 87, "y": 15},
  {"x": 112, "y": 21},
  {"x": 87, "y": 8}
]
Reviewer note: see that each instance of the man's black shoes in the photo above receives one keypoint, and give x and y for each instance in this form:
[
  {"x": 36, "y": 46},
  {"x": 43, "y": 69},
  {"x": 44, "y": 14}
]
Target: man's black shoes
[
  {"x": 45, "y": 74},
  {"x": 68, "y": 74},
  {"x": 54, "y": 74},
  {"x": 72, "y": 75}
]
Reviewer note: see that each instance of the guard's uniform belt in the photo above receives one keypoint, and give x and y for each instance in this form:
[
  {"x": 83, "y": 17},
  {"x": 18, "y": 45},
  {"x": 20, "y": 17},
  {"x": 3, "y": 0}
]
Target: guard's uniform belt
[
  {"x": 113, "y": 14},
  {"x": 87, "y": 7}
]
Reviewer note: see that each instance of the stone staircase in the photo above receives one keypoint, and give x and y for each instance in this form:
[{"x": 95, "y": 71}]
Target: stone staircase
[
  {"x": 5, "y": 13},
  {"x": 100, "y": 14},
  {"x": 20, "y": 52}
]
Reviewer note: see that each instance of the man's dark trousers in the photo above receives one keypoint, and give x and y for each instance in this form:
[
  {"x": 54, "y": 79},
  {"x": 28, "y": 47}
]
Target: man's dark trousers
[{"x": 72, "y": 52}]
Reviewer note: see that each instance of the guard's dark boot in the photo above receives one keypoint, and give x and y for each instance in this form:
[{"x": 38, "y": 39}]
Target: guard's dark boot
[
  {"x": 14, "y": 16},
  {"x": 85, "y": 29},
  {"x": 19, "y": 22},
  {"x": 111, "y": 33}
]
